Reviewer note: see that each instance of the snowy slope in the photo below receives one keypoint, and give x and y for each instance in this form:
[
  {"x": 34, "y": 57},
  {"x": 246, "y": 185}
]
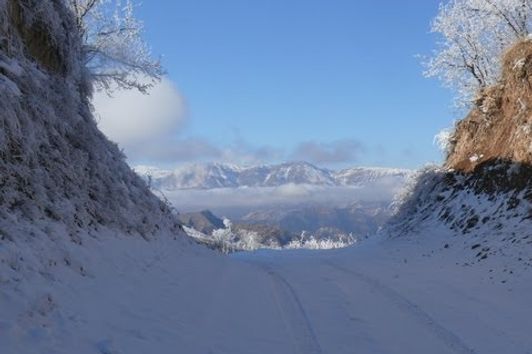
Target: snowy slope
[
  {"x": 489, "y": 212},
  {"x": 54, "y": 162},
  {"x": 385, "y": 296},
  {"x": 63, "y": 185}
]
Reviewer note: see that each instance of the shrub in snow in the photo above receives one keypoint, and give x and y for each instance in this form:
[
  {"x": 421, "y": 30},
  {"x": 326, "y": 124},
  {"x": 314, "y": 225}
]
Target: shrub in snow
[
  {"x": 309, "y": 241},
  {"x": 445, "y": 140},
  {"x": 227, "y": 240}
]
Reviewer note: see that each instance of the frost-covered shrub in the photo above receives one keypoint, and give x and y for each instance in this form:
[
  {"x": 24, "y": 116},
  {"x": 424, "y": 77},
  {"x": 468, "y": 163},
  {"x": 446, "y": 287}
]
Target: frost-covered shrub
[
  {"x": 445, "y": 140},
  {"x": 309, "y": 241},
  {"x": 113, "y": 49},
  {"x": 420, "y": 180},
  {"x": 227, "y": 240}
]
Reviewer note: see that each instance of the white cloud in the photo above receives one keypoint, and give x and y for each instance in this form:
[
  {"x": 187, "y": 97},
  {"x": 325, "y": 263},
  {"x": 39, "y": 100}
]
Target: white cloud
[
  {"x": 339, "y": 151},
  {"x": 175, "y": 150},
  {"x": 147, "y": 127},
  {"x": 250, "y": 198},
  {"x": 131, "y": 118}
]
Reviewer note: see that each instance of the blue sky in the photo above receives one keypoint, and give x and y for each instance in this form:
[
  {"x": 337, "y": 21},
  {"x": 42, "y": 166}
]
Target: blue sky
[{"x": 334, "y": 82}]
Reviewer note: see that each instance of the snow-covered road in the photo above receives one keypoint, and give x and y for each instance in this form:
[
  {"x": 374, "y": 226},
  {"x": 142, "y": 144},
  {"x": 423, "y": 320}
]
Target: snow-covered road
[
  {"x": 391, "y": 299},
  {"x": 329, "y": 308},
  {"x": 380, "y": 297}
]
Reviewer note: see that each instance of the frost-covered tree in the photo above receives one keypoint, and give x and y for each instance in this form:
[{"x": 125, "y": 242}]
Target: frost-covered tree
[
  {"x": 474, "y": 35},
  {"x": 114, "y": 51}
]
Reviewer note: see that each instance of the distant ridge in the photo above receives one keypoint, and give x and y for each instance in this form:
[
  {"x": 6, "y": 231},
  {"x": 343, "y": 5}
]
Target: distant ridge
[{"x": 216, "y": 175}]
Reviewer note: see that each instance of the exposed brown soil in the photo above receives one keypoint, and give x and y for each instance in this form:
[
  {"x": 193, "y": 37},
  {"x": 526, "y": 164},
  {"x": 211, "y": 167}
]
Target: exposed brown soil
[{"x": 500, "y": 125}]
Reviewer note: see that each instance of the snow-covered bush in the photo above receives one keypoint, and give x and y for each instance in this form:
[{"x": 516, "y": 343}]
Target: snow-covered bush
[
  {"x": 418, "y": 183},
  {"x": 227, "y": 240},
  {"x": 475, "y": 33},
  {"x": 309, "y": 241},
  {"x": 444, "y": 140}
]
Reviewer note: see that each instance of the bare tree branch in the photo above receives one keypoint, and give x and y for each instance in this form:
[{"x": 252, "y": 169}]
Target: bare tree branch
[
  {"x": 475, "y": 33},
  {"x": 113, "y": 49}
]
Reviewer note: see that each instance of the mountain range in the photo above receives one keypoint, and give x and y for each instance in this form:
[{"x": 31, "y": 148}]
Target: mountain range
[{"x": 217, "y": 175}]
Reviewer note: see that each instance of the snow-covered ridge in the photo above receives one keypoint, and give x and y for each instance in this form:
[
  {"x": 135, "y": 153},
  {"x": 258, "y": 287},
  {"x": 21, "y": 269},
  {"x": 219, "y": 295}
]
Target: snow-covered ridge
[{"x": 215, "y": 175}]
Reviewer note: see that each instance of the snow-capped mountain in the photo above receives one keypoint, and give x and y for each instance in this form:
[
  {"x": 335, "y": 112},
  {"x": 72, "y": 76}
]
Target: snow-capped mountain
[
  {"x": 193, "y": 177},
  {"x": 215, "y": 175},
  {"x": 363, "y": 175}
]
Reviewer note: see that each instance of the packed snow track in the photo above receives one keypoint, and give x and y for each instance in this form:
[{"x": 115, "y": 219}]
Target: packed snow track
[{"x": 387, "y": 297}]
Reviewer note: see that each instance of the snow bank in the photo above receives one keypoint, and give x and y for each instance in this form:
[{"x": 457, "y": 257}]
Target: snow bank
[{"x": 487, "y": 212}]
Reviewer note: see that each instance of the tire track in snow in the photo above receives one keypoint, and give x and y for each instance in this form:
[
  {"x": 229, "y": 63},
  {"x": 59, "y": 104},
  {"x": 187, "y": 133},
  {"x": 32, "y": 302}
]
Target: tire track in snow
[
  {"x": 293, "y": 314},
  {"x": 450, "y": 339}
]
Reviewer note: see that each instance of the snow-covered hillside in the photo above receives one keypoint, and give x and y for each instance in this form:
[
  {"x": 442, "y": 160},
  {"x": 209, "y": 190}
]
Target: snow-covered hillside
[
  {"x": 55, "y": 164},
  {"x": 488, "y": 214},
  {"x": 211, "y": 176},
  {"x": 91, "y": 262},
  {"x": 64, "y": 188}
]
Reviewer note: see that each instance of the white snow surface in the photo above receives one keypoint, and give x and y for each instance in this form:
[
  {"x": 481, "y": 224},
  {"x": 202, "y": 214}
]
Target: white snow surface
[{"x": 126, "y": 295}]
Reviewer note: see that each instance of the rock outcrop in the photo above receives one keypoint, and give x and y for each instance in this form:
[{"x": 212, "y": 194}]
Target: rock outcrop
[{"x": 500, "y": 125}]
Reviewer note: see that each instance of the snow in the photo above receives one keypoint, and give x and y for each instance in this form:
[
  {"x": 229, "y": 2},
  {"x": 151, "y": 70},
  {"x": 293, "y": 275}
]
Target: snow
[
  {"x": 9, "y": 86},
  {"x": 423, "y": 289},
  {"x": 227, "y": 241},
  {"x": 475, "y": 157},
  {"x": 382, "y": 296},
  {"x": 55, "y": 163},
  {"x": 10, "y": 66}
]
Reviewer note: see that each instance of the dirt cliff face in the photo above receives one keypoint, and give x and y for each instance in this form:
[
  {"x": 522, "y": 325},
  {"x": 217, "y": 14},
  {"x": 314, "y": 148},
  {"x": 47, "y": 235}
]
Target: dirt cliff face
[{"x": 500, "y": 125}]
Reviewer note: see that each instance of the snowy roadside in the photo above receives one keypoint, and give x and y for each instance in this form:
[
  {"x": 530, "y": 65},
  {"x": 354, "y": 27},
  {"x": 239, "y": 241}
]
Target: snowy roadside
[{"x": 391, "y": 296}]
